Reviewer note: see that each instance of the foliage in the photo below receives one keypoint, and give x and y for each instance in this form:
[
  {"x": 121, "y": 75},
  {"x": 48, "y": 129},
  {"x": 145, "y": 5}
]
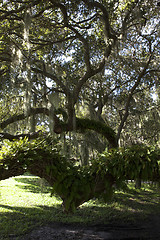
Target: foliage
[
  {"x": 65, "y": 59},
  {"x": 25, "y": 152},
  {"x": 136, "y": 161},
  {"x": 77, "y": 184},
  {"x": 69, "y": 182}
]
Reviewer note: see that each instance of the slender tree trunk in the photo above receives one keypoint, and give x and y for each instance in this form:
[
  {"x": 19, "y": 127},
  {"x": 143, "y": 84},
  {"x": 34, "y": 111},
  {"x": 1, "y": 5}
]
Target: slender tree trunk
[{"x": 138, "y": 183}]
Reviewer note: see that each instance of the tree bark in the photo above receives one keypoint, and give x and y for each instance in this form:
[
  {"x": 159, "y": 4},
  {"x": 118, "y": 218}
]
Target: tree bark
[
  {"x": 138, "y": 183},
  {"x": 73, "y": 124}
]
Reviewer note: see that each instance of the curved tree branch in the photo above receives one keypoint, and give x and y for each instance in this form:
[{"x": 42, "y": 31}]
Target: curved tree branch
[
  {"x": 132, "y": 91},
  {"x": 105, "y": 17},
  {"x": 22, "y": 116},
  {"x": 11, "y": 137},
  {"x": 53, "y": 77},
  {"x": 85, "y": 45},
  {"x": 59, "y": 126}
]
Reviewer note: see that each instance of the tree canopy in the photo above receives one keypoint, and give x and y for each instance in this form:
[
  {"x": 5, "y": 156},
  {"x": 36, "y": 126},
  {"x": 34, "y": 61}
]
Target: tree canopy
[
  {"x": 71, "y": 59},
  {"x": 85, "y": 71}
]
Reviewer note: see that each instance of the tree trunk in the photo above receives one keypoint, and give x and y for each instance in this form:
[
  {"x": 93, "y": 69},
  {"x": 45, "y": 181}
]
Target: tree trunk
[
  {"x": 39, "y": 166},
  {"x": 138, "y": 183}
]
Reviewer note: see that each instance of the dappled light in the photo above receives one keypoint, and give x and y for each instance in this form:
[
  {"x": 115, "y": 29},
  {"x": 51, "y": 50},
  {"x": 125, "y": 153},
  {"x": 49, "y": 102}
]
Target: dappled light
[{"x": 24, "y": 201}]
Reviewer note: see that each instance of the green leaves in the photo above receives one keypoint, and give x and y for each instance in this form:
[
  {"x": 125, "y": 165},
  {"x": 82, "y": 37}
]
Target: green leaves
[
  {"x": 77, "y": 184},
  {"x": 132, "y": 162}
]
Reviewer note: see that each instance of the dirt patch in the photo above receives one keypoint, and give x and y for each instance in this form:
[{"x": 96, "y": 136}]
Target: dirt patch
[{"x": 148, "y": 230}]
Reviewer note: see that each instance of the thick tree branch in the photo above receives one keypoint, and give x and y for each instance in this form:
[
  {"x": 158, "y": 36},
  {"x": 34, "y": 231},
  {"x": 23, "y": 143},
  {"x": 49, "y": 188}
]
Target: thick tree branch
[
  {"x": 31, "y": 112},
  {"x": 85, "y": 45},
  {"x": 99, "y": 127},
  {"x": 59, "y": 126},
  {"x": 63, "y": 10},
  {"x": 132, "y": 90},
  {"x": 11, "y": 137},
  {"x": 84, "y": 79},
  {"x": 105, "y": 18},
  {"x": 53, "y": 77}
]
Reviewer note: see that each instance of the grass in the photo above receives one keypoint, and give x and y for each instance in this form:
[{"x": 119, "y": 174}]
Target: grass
[{"x": 25, "y": 203}]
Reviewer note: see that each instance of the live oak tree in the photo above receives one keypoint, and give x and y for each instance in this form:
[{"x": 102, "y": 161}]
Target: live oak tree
[{"x": 76, "y": 66}]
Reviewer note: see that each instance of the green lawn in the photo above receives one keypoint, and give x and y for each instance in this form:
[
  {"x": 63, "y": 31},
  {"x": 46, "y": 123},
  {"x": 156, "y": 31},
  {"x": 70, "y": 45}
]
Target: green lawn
[{"x": 25, "y": 203}]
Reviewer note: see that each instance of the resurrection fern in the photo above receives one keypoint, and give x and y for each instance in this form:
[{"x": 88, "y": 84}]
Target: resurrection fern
[
  {"x": 136, "y": 161},
  {"x": 77, "y": 184},
  {"x": 74, "y": 184}
]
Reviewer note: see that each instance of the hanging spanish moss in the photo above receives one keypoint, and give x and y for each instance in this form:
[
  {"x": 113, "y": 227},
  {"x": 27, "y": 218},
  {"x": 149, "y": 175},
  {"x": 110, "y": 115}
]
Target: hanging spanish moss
[
  {"x": 33, "y": 118},
  {"x": 76, "y": 145},
  {"x": 51, "y": 113},
  {"x": 27, "y": 25},
  {"x": 44, "y": 95},
  {"x": 31, "y": 121},
  {"x": 56, "y": 99},
  {"x": 26, "y": 43},
  {"x": 64, "y": 140}
]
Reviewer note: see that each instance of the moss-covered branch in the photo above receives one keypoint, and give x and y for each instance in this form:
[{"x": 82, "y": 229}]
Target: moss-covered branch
[{"x": 83, "y": 124}]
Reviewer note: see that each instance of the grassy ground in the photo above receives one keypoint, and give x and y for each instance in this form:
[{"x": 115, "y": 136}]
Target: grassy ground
[{"x": 25, "y": 203}]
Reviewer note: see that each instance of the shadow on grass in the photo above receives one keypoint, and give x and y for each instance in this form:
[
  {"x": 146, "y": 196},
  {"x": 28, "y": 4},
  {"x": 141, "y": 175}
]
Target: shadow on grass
[
  {"x": 33, "y": 184},
  {"x": 126, "y": 208},
  {"x": 16, "y": 221},
  {"x": 146, "y": 200},
  {"x": 129, "y": 205},
  {"x": 19, "y": 221}
]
